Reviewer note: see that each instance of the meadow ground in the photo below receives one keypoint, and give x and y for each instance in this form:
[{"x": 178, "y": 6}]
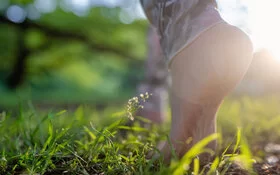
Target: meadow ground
[{"x": 88, "y": 141}]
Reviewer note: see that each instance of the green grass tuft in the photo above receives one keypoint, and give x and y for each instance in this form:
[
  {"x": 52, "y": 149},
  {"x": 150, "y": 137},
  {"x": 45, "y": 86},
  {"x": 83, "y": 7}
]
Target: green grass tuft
[{"x": 88, "y": 141}]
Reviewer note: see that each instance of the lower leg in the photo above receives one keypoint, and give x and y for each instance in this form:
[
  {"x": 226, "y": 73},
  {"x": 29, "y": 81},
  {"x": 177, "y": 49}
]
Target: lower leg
[
  {"x": 154, "y": 81},
  {"x": 202, "y": 75}
]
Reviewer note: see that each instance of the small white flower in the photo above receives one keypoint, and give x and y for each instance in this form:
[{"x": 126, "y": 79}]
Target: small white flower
[{"x": 134, "y": 104}]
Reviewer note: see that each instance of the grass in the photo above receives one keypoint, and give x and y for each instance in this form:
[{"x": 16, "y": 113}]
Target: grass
[{"x": 88, "y": 141}]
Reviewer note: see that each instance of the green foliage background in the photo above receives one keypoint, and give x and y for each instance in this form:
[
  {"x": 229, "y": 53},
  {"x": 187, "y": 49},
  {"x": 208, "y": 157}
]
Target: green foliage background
[{"x": 99, "y": 60}]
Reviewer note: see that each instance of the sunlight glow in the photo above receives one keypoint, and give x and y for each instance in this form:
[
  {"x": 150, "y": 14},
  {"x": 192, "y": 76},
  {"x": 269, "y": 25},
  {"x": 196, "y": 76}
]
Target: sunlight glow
[
  {"x": 265, "y": 24},
  {"x": 259, "y": 18}
]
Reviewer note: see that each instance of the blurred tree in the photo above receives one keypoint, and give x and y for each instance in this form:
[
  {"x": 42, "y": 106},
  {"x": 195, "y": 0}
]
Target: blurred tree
[
  {"x": 155, "y": 80},
  {"x": 50, "y": 46}
]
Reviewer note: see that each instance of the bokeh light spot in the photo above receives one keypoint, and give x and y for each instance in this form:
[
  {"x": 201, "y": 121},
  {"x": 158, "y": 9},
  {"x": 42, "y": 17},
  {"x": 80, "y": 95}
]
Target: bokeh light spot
[
  {"x": 16, "y": 14},
  {"x": 45, "y": 6},
  {"x": 32, "y": 12}
]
